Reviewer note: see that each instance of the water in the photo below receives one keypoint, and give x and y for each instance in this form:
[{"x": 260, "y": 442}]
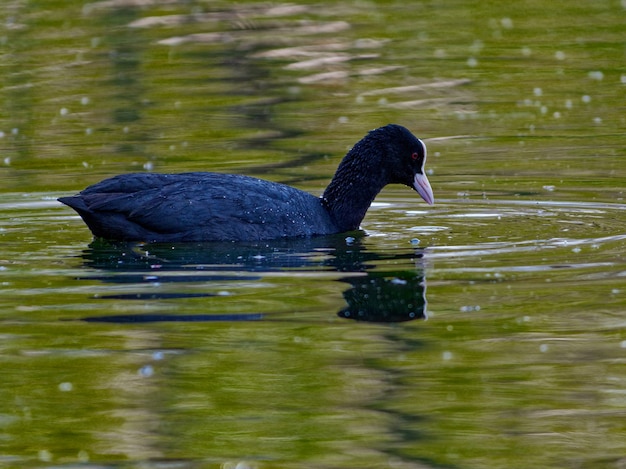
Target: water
[{"x": 318, "y": 353}]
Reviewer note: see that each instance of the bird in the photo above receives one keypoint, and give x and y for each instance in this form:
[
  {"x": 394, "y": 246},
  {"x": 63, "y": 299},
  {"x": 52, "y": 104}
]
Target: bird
[{"x": 208, "y": 206}]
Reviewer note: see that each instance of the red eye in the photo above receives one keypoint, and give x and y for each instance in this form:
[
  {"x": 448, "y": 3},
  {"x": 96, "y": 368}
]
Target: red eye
[{"x": 415, "y": 156}]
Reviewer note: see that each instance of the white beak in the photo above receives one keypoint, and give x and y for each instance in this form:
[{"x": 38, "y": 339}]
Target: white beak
[{"x": 422, "y": 186}]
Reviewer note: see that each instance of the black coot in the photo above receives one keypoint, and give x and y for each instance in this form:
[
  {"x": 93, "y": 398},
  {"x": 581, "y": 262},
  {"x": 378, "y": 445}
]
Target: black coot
[{"x": 226, "y": 207}]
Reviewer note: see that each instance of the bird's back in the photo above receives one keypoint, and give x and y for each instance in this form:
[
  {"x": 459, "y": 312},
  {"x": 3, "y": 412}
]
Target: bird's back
[{"x": 198, "y": 207}]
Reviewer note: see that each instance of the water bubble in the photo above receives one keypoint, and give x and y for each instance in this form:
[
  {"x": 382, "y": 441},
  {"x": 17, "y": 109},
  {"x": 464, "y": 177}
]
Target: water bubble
[
  {"x": 559, "y": 55},
  {"x": 146, "y": 371},
  {"x": 569, "y": 104},
  {"x": 44, "y": 455},
  {"x": 158, "y": 355},
  {"x": 556, "y": 115},
  {"x": 446, "y": 355},
  {"x": 472, "y": 62},
  {"x": 549, "y": 188},
  {"x": 350, "y": 240},
  {"x": 477, "y": 46},
  {"x": 543, "y": 348},
  {"x": 596, "y": 75},
  {"x": 537, "y": 91},
  {"x": 65, "y": 387},
  {"x": 597, "y": 120},
  {"x": 84, "y": 100},
  {"x": 507, "y": 23},
  {"x": 414, "y": 242},
  {"x": 526, "y": 51},
  {"x": 398, "y": 281},
  {"x": 64, "y": 111},
  {"x": 623, "y": 79},
  {"x": 586, "y": 98}
]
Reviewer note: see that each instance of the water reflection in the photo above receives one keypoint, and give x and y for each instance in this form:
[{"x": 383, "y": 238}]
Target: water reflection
[{"x": 374, "y": 295}]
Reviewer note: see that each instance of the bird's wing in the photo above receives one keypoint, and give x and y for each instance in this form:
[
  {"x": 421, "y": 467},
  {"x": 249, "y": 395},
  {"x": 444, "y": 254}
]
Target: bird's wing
[{"x": 207, "y": 205}]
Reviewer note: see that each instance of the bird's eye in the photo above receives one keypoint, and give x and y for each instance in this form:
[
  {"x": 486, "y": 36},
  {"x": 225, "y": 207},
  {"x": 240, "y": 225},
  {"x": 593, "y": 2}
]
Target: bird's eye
[{"x": 415, "y": 156}]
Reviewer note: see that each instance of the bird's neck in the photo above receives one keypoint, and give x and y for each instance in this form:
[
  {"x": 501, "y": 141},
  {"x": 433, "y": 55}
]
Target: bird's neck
[{"x": 356, "y": 183}]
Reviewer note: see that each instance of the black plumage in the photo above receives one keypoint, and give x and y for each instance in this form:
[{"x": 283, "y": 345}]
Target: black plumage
[{"x": 202, "y": 206}]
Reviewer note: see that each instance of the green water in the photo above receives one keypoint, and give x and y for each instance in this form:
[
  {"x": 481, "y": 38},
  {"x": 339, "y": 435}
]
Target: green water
[{"x": 239, "y": 356}]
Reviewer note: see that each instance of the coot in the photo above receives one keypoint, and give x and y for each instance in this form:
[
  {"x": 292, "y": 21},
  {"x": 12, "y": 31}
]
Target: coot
[{"x": 202, "y": 206}]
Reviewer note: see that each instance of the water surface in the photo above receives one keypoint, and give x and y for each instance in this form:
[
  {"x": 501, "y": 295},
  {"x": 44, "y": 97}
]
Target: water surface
[{"x": 485, "y": 331}]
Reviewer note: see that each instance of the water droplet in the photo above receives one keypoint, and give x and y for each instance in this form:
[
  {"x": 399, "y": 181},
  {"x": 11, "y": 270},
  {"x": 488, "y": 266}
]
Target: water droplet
[
  {"x": 65, "y": 387},
  {"x": 507, "y": 23},
  {"x": 44, "y": 455},
  {"x": 596, "y": 75},
  {"x": 146, "y": 371},
  {"x": 398, "y": 281}
]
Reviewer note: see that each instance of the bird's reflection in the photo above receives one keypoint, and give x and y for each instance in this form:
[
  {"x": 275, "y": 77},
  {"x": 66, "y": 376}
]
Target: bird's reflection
[{"x": 374, "y": 295}]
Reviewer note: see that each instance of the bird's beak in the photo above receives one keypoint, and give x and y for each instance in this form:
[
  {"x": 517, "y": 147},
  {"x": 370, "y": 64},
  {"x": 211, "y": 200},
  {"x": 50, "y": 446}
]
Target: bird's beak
[{"x": 422, "y": 186}]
